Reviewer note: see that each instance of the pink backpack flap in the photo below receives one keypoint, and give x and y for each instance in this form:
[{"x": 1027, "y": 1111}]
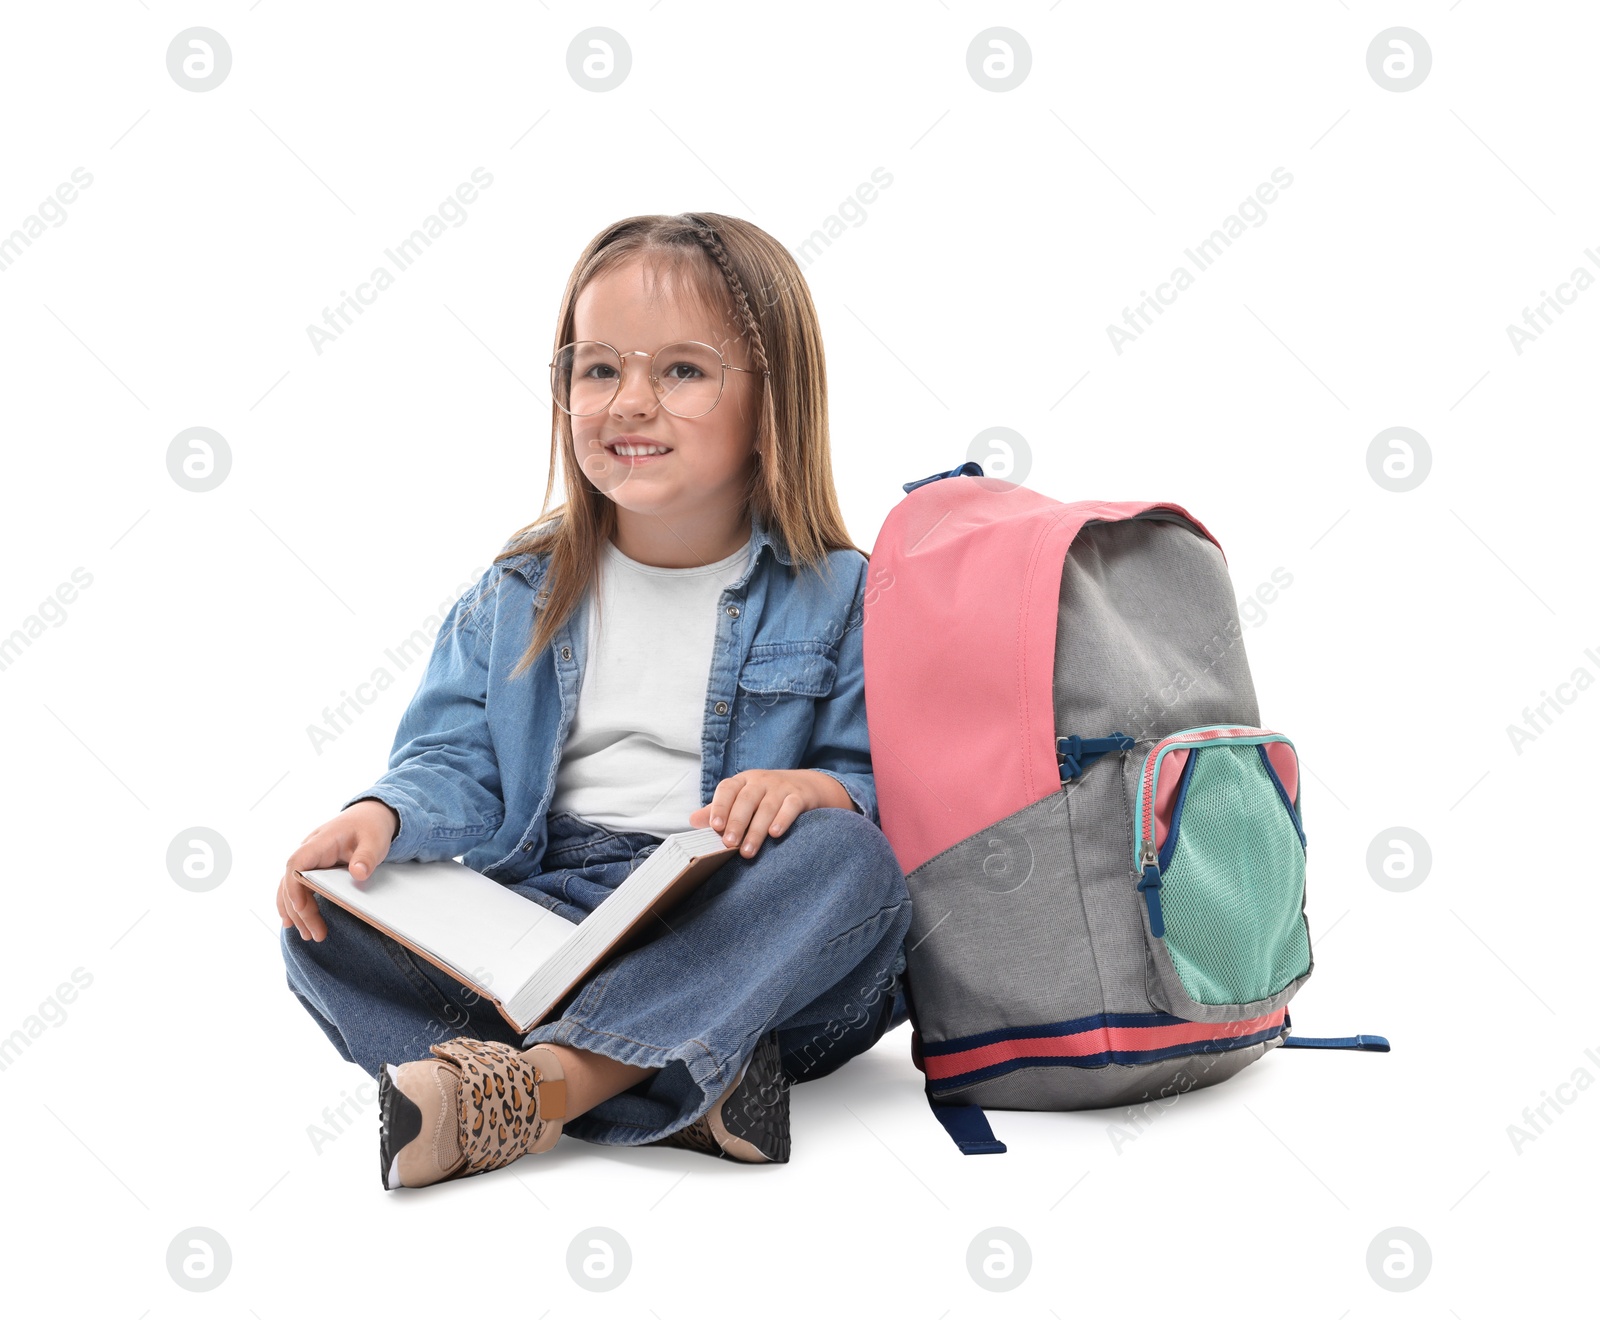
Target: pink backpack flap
[{"x": 959, "y": 644}]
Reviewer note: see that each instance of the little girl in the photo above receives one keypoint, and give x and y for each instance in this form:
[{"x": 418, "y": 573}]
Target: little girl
[{"x": 676, "y": 646}]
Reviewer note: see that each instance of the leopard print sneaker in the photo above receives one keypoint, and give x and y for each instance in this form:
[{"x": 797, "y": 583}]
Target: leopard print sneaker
[
  {"x": 750, "y": 1120},
  {"x": 478, "y": 1105}
]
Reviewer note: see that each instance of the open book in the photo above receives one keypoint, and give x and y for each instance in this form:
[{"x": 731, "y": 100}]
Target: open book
[{"x": 520, "y": 955}]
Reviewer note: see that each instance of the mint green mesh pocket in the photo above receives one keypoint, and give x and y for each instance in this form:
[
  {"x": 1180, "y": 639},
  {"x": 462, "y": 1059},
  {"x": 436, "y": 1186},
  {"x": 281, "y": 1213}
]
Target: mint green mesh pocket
[{"x": 1233, "y": 880}]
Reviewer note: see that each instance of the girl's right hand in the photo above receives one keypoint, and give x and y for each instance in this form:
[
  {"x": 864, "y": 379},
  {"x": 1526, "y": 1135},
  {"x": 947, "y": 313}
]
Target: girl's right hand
[{"x": 359, "y": 835}]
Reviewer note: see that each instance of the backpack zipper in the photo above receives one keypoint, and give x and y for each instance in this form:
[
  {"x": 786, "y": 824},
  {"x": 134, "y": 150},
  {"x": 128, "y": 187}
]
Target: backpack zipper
[
  {"x": 1147, "y": 856},
  {"x": 1150, "y": 887},
  {"x": 1207, "y": 734}
]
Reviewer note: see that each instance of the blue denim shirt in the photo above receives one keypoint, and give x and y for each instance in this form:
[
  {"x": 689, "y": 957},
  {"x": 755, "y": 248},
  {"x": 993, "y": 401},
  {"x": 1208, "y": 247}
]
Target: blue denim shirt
[{"x": 473, "y": 767}]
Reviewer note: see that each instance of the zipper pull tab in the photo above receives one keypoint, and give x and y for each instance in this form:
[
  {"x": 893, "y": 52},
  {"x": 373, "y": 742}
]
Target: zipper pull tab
[{"x": 1150, "y": 886}]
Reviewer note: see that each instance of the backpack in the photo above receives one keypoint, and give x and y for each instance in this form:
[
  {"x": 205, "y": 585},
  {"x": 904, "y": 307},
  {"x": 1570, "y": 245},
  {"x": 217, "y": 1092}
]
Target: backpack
[{"x": 1104, "y": 848}]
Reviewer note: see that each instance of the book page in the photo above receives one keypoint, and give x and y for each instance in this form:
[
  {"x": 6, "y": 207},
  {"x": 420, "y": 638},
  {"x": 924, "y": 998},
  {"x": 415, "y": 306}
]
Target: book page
[
  {"x": 600, "y": 929},
  {"x": 489, "y": 935}
]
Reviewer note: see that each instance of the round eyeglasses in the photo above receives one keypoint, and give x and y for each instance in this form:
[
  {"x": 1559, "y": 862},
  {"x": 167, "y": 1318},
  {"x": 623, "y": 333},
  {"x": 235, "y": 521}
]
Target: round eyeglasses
[{"x": 687, "y": 376}]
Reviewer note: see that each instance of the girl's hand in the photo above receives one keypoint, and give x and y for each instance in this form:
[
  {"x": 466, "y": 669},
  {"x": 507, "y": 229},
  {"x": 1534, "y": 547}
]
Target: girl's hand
[
  {"x": 756, "y": 803},
  {"x": 359, "y": 835}
]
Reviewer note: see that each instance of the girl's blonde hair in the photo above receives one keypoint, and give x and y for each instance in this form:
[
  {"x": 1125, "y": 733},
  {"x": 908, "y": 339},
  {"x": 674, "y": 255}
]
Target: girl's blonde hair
[{"x": 740, "y": 271}]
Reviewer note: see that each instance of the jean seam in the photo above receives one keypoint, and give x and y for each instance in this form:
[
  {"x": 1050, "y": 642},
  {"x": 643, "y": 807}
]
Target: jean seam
[
  {"x": 888, "y": 910},
  {"x": 570, "y": 1024},
  {"x": 426, "y": 990},
  {"x": 573, "y": 851},
  {"x": 581, "y": 1006},
  {"x": 549, "y": 902}
]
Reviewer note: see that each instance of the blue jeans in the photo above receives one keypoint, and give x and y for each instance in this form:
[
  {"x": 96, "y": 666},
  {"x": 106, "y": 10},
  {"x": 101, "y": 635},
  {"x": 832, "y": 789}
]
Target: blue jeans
[{"x": 806, "y": 937}]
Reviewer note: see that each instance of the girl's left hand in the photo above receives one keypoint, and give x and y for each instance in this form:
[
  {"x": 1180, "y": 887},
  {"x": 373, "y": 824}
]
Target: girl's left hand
[{"x": 755, "y": 803}]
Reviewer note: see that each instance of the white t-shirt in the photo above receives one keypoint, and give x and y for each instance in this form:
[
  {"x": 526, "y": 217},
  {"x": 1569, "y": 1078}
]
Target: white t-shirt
[{"x": 632, "y": 755}]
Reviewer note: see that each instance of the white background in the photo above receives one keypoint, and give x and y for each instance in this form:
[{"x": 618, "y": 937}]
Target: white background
[{"x": 371, "y": 482}]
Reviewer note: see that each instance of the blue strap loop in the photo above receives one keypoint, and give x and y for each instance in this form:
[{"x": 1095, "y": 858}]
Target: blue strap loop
[
  {"x": 1077, "y": 754},
  {"x": 967, "y": 469}
]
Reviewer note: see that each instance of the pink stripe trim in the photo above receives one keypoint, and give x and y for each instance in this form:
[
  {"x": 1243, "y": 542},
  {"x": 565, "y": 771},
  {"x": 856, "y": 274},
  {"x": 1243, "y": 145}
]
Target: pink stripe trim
[{"x": 1096, "y": 1040}]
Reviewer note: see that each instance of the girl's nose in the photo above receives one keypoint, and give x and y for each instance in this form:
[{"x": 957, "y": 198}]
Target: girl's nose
[{"x": 636, "y": 393}]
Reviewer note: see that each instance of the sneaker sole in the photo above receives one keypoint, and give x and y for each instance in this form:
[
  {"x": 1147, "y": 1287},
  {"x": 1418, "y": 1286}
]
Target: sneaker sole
[
  {"x": 400, "y": 1122},
  {"x": 757, "y": 1113}
]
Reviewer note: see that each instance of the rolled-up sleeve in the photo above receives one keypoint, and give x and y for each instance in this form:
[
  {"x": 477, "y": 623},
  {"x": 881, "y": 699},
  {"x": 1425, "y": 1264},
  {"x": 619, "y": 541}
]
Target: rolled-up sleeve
[
  {"x": 443, "y": 779},
  {"x": 838, "y": 746}
]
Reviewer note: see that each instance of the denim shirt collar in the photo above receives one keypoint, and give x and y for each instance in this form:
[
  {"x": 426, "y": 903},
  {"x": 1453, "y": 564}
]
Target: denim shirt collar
[{"x": 532, "y": 566}]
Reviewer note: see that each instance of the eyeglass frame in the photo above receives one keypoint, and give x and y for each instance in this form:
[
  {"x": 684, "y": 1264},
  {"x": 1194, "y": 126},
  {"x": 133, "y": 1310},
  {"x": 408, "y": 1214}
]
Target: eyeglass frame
[{"x": 655, "y": 382}]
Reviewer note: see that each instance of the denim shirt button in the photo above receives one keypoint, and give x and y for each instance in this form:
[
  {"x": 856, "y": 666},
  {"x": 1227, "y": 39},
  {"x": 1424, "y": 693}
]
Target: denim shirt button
[
  {"x": 566, "y": 653},
  {"x": 733, "y": 611},
  {"x": 528, "y": 846},
  {"x": 721, "y": 708}
]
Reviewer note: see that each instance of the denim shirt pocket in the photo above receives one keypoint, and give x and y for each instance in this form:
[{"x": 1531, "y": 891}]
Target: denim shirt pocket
[
  {"x": 802, "y": 669},
  {"x": 779, "y": 686}
]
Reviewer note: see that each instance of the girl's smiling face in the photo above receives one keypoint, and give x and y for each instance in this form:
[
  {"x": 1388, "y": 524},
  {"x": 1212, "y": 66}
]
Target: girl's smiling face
[{"x": 694, "y": 494}]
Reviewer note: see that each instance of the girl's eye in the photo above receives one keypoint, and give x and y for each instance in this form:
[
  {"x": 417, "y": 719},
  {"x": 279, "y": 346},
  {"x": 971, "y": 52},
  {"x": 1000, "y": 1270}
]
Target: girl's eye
[
  {"x": 605, "y": 372},
  {"x": 682, "y": 371}
]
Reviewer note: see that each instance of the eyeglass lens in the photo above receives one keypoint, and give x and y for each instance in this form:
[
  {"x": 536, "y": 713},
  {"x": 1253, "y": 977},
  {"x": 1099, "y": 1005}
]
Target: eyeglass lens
[{"x": 587, "y": 374}]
